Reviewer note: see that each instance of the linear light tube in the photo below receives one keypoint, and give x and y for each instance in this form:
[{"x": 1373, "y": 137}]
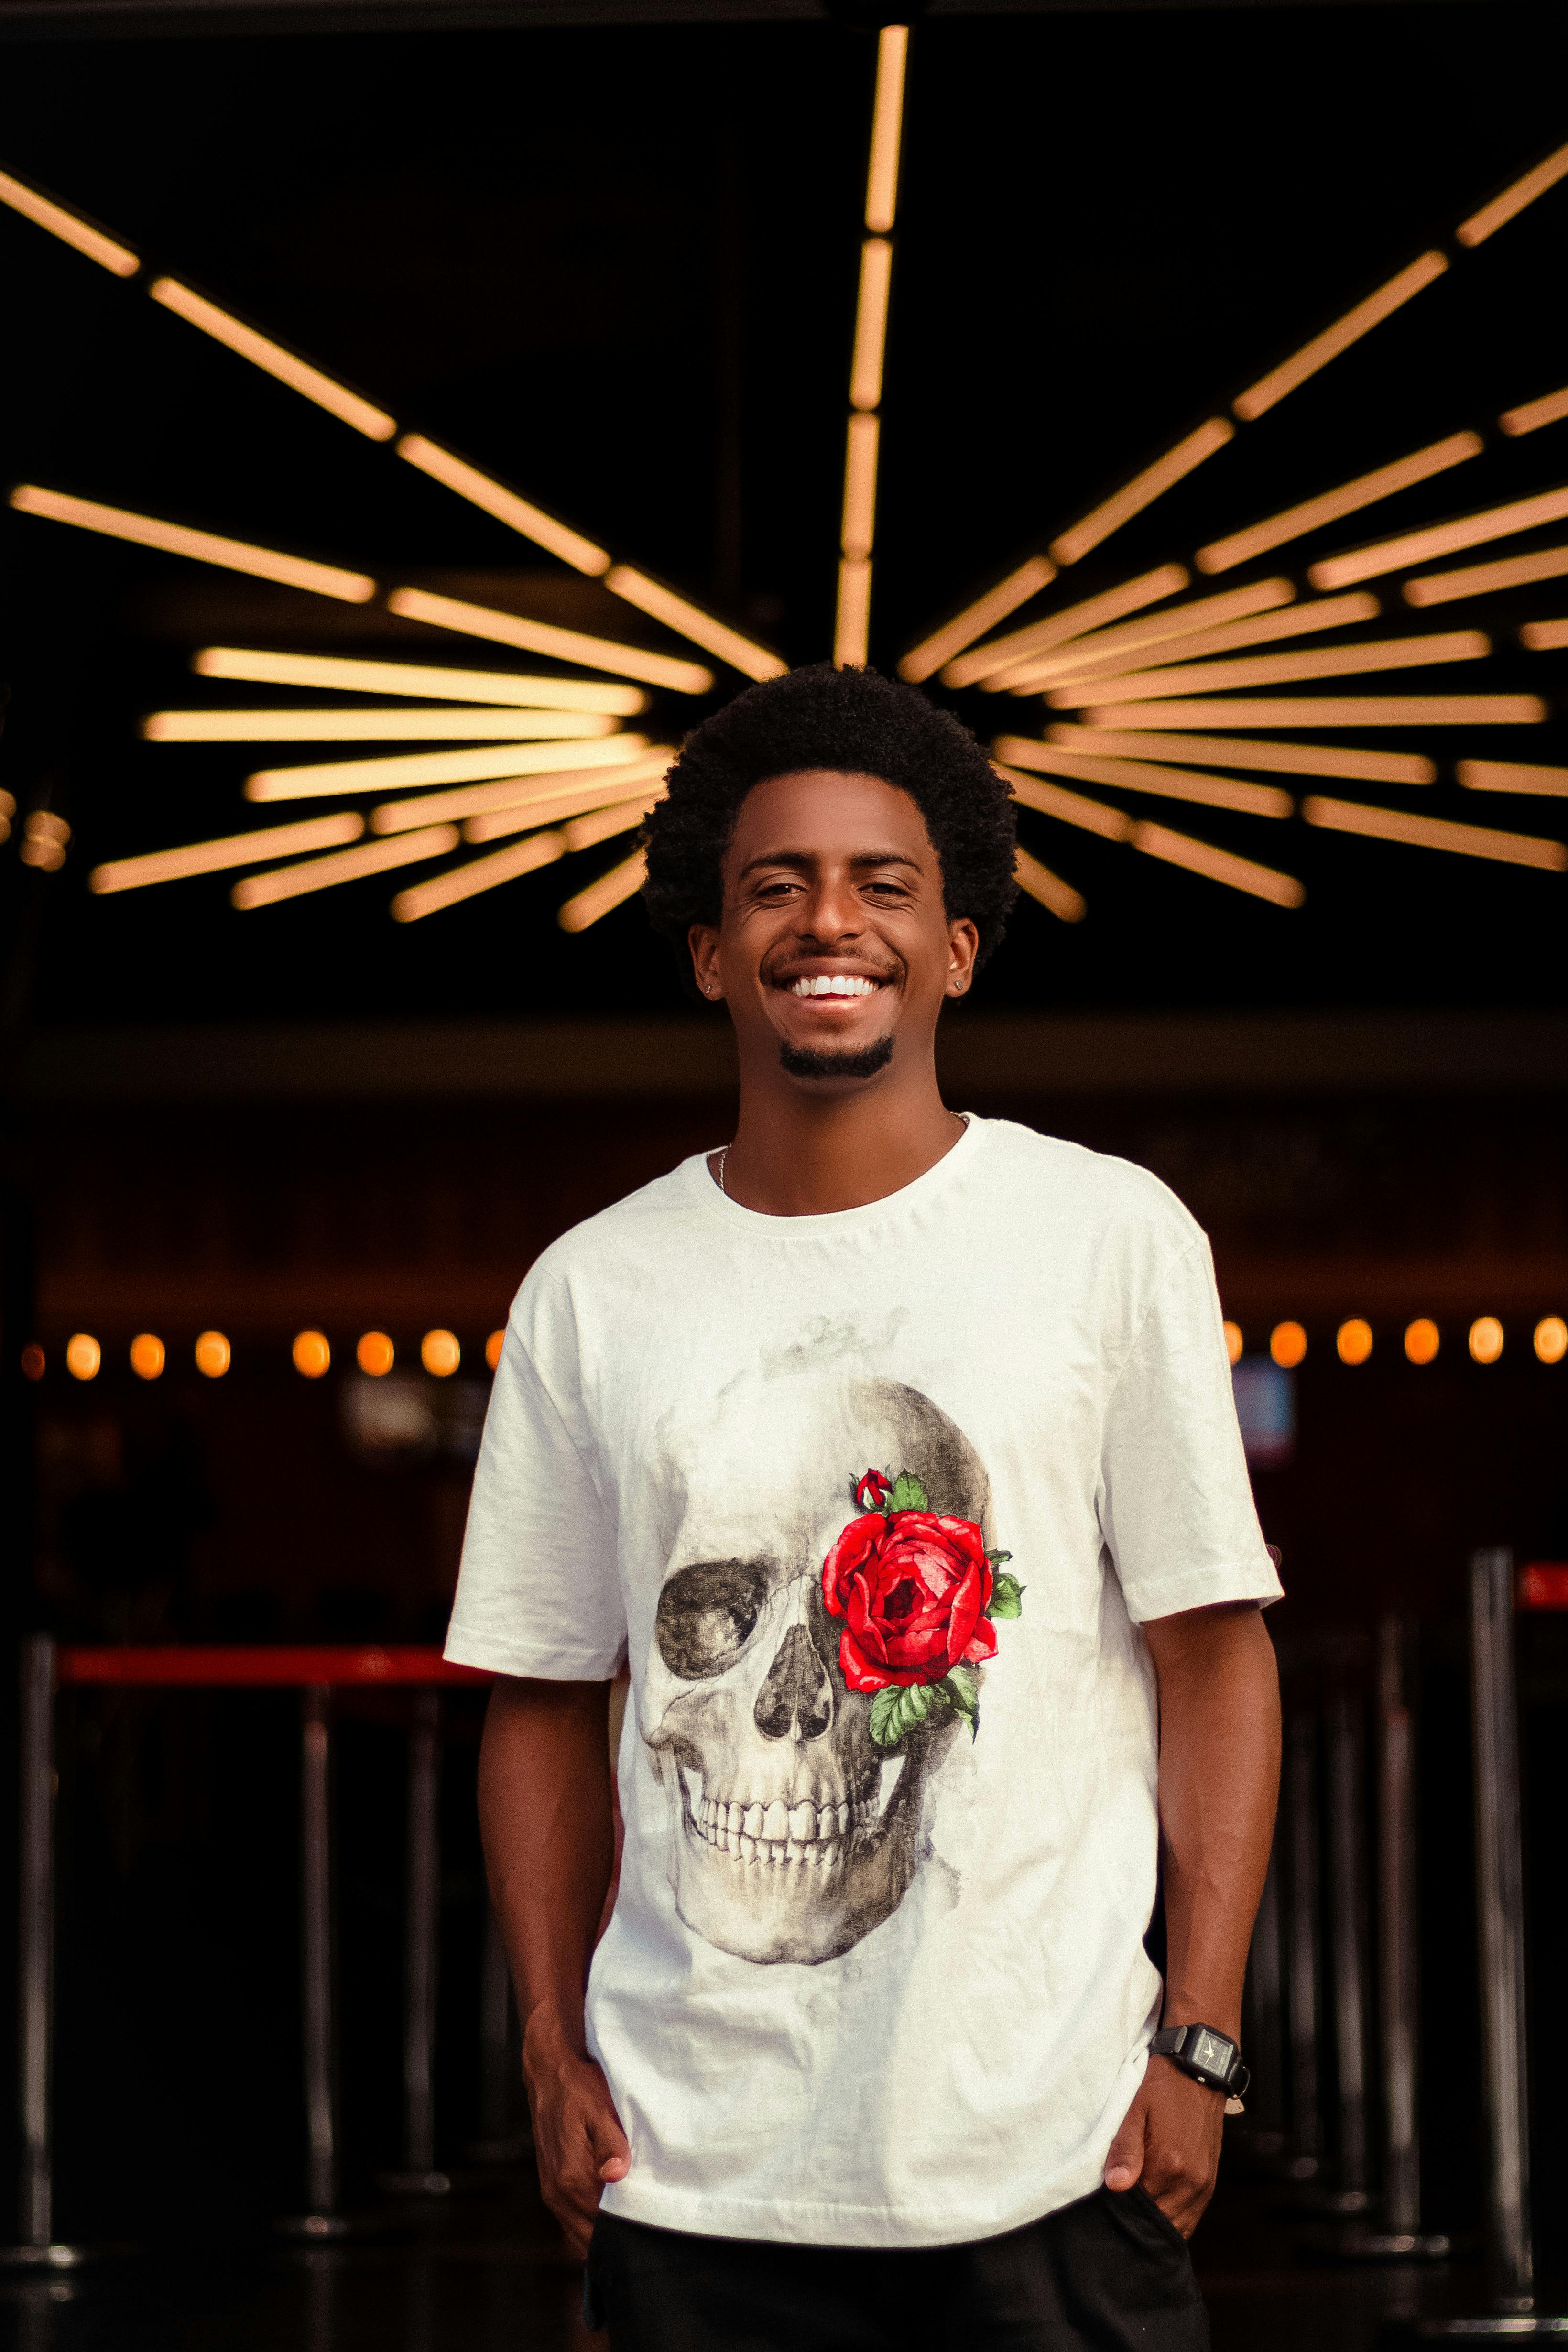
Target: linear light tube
[
  {"x": 1531, "y": 414},
  {"x": 1484, "y": 579},
  {"x": 860, "y": 485},
  {"x": 68, "y": 226},
  {"x": 625, "y": 807},
  {"x": 1439, "y": 646},
  {"x": 983, "y": 613},
  {"x": 887, "y": 128},
  {"x": 347, "y": 866},
  {"x": 479, "y": 873},
  {"x": 263, "y": 352},
  {"x": 1068, "y": 666},
  {"x": 329, "y": 726},
  {"x": 561, "y": 792},
  {"x": 689, "y": 620},
  {"x": 1436, "y": 833},
  {"x": 1441, "y": 539},
  {"x": 312, "y": 782},
  {"x": 1512, "y": 776},
  {"x": 1272, "y": 388},
  {"x": 1502, "y": 209},
  {"x": 1543, "y": 637},
  {"x": 852, "y": 621},
  {"x": 214, "y": 857},
  {"x": 519, "y": 514},
  {"x": 612, "y": 889},
  {"x": 1237, "y": 752},
  {"x": 1142, "y": 776},
  {"x": 1072, "y": 620},
  {"x": 1053, "y": 893},
  {"x": 1218, "y": 865},
  {"x": 584, "y": 832},
  {"x": 202, "y": 546},
  {"x": 1142, "y": 490},
  {"x": 1311, "y": 514},
  {"x": 482, "y": 686},
  {"x": 1333, "y": 711},
  {"x": 871, "y": 323},
  {"x": 540, "y": 637},
  {"x": 1068, "y": 808}
]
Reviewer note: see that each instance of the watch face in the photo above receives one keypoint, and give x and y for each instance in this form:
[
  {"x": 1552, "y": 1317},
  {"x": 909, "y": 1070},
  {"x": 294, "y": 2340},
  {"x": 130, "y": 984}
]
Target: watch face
[{"x": 1210, "y": 2051}]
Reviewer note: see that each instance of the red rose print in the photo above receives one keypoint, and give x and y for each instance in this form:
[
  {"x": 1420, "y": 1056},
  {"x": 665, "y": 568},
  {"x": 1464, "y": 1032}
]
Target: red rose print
[
  {"x": 911, "y": 1588},
  {"x": 873, "y": 1491}
]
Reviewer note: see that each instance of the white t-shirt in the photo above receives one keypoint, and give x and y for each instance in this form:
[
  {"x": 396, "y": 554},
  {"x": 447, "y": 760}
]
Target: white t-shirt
[{"x": 874, "y": 1503}]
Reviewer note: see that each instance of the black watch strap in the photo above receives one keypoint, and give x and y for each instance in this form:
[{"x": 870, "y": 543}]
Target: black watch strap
[{"x": 1209, "y": 2056}]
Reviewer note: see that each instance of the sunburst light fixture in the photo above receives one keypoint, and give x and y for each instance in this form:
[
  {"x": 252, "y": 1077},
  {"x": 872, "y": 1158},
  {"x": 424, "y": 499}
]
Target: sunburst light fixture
[{"x": 1157, "y": 688}]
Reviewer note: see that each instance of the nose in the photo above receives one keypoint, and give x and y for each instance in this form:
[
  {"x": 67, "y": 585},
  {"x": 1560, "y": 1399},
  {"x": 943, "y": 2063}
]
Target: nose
[{"x": 797, "y": 1695}]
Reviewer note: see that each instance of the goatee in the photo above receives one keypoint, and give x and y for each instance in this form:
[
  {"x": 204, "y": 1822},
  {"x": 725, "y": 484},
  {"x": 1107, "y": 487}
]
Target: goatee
[{"x": 812, "y": 1062}]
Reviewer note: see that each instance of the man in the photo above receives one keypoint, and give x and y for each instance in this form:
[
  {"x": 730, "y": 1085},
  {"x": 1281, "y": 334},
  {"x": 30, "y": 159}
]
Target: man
[{"x": 894, "y": 1450}]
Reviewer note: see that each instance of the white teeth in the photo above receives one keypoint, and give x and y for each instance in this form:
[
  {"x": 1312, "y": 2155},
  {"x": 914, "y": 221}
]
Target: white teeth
[
  {"x": 803, "y": 1823},
  {"x": 833, "y": 983},
  {"x": 779, "y": 1833},
  {"x": 775, "y": 1821},
  {"x": 843, "y": 1820},
  {"x": 747, "y": 1848},
  {"x": 751, "y": 1820},
  {"x": 732, "y": 1819},
  {"x": 827, "y": 1821}
]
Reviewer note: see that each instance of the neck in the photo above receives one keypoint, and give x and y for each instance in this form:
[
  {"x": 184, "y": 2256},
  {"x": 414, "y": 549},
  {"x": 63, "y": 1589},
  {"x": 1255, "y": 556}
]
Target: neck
[{"x": 804, "y": 1148}]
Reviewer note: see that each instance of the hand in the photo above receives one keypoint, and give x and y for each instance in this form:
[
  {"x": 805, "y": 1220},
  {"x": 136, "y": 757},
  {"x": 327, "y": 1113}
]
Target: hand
[
  {"x": 1170, "y": 2141},
  {"x": 578, "y": 2140}
]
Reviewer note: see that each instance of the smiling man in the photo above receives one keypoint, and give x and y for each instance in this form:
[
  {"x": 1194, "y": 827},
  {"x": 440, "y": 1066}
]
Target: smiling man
[{"x": 893, "y": 1449}]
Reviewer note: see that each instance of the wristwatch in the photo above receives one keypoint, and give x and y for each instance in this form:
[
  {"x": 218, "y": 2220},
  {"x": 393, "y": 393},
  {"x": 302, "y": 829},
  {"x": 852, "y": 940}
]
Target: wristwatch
[{"x": 1210, "y": 2057}]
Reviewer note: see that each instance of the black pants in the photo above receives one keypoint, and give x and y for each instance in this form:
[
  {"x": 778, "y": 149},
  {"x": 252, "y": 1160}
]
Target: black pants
[{"x": 1107, "y": 2275}]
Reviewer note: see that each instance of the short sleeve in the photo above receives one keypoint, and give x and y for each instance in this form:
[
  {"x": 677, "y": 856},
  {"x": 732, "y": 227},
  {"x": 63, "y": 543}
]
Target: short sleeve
[
  {"x": 1175, "y": 1502},
  {"x": 539, "y": 1591}
]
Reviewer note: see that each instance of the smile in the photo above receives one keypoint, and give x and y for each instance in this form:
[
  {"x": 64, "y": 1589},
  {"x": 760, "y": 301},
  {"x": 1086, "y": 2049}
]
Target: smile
[
  {"x": 834, "y": 983},
  {"x": 812, "y": 1833}
]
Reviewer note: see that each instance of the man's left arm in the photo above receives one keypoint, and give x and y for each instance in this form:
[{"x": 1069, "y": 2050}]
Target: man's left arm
[{"x": 1219, "y": 1778}]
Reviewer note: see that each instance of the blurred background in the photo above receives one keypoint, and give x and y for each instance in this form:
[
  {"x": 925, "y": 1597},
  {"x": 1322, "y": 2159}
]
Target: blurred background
[{"x": 610, "y": 253}]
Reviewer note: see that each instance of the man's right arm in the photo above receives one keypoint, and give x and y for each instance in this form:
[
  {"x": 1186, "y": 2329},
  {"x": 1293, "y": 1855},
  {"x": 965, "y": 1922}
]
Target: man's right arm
[{"x": 549, "y": 1839}]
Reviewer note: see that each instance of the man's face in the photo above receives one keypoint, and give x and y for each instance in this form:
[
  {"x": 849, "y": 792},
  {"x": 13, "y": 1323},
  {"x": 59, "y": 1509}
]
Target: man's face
[{"x": 834, "y": 941}]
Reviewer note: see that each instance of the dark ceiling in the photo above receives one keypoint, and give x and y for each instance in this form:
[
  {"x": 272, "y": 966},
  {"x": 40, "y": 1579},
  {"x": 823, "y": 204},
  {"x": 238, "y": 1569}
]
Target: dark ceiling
[{"x": 618, "y": 267}]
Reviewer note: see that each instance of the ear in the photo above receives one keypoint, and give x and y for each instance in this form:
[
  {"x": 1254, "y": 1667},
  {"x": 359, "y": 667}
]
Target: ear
[
  {"x": 963, "y": 947},
  {"x": 703, "y": 942}
]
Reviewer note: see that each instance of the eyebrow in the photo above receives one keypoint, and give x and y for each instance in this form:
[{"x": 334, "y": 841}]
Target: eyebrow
[{"x": 802, "y": 860}]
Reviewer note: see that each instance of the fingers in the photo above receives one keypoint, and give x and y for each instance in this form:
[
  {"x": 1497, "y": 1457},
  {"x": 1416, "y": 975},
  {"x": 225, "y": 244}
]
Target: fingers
[
  {"x": 581, "y": 2148},
  {"x": 1124, "y": 2163},
  {"x": 608, "y": 2142}
]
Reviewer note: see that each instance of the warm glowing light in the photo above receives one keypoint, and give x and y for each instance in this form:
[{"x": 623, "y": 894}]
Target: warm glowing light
[
  {"x": 347, "y": 866},
  {"x": 1287, "y": 758},
  {"x": 1142, "y": 776},
  {"x": 481, "y": 686},
  {"x": 1440, "y": 538},
  {"x": 1545, "y": 637},
  {"x": 1073, "y": 621},
  {"x": 1330, "y": 506},
  {"x": 1436, "y": 833},
  {"x": 440, "y": 1354},
  {"x": 147, "y": 1356},
  {"x": 860, "y": 485},
  {"x": 312, "y": 1354},
  {"x": 1353, "y": 1340},
  {"x": 214, "y": 856},
  {"x": 1142, "y": 490},
  {"x": 400, "y": 772},
  {"x": 852, "y": 617},
  {"x": 887, "y": 127},
  {"x": 871, "y": 323},
  {"x": 1501, "y": 209},
  {"x": 71, "y": 230},
  {"x": 1291, "y": 372},
  {"x": 1058, "y": 897},
  {"x": 1287, "y": 1345},
  {"x": 519, "y": 514},
  {"x": 493, "y": 1348},
  {"x": 1484, "y": 579},
  {"x": 1068, "y": 808},
  {"x": 690, "y": 620},
  {"x": 1128, "y": 649},
  {"x": 1486, "y": 1340},
  {"x": 1234, "y": 1342},
  {"x": 1422, "y": 1341},
  {"x": 1218, "y": 865},
  {"x": 422, "y": 899},
  {"x": 1510, "y": 776},
  {"x": 983, "y": 613},
  {"x": 45, "y": 840},
  {"x": 83, "y": 1356},
  {"x": 213, "y": 1355},
  {"x": 612, "y": 889},
  {"x": 263, "y": 352},
  {"x": 588, "y": 832},
  {"x": 326, "y": 725},
  {"x": 556, "y": 645},
  {"x": 33, "y": 1362},
  {"x": 1438, "y": 647},
  {"x": 515, "y": 803},
  {"x": 202, "y": 546},
  {"x": 376, "y": 1354},
  {"x": 1331, "y": 710},
  {"x": 1531, "y": 414},
  {"x": 1550, "y": 1338}
]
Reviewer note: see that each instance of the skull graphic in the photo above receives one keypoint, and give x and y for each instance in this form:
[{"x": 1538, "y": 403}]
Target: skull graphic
[{"x": 792, "y": 1834}]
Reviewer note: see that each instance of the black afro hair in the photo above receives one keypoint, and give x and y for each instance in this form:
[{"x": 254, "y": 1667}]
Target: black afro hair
[{"x": 857, "y": 722}]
